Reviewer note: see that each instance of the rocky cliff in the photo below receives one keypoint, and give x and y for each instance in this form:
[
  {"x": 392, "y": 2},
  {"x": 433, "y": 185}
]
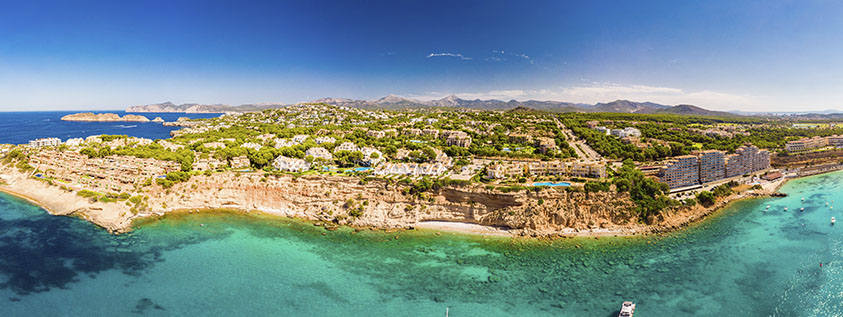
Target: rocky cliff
[
  {"x": 382, "y": 204},
  {"x": 337, "y": 200},
  {"x": 106, "y": 117}
]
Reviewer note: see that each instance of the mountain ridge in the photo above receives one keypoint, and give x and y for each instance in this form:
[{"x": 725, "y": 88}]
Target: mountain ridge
[{"x": 395, "y": 102}]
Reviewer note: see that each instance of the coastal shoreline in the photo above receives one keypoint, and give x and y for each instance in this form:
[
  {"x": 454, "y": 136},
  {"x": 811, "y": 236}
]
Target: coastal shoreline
[
  {"x": 29, "y": 199},
  {"x": 70, "y": 206}
]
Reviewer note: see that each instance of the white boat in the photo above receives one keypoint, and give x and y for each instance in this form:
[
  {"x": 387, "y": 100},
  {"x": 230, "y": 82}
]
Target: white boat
[
  {"x": 802, "y": 209},
  {"x": 833, "y": 220},
  {"x": 627, "y": 309},
  {"x": 785, "y": 208},
  {"x": 803, "y": 198},
  {"x": 768, "y": 206}
]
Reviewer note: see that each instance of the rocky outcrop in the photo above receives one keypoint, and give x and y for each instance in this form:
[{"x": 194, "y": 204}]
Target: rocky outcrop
[
  {"x": 104, "y": 117},
  {"x": 158, "y": 119}
]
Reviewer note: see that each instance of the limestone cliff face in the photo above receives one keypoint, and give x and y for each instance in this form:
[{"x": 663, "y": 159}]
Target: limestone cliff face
[
  {"x": 378, "y": 203},
  {"x": 383, "y": 204}
]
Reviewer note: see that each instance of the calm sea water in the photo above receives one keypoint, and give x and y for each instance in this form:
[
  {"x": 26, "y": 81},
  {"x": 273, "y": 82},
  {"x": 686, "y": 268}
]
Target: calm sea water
[
  {"x": 20, "y": 127},
  {"x": 744, "y": 262}
]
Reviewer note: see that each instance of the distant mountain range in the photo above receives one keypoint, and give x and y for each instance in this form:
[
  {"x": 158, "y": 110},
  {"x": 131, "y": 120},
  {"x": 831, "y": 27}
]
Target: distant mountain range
[
  {"x": 394, "y": 102},
  {"x": 199, "y": 108}
]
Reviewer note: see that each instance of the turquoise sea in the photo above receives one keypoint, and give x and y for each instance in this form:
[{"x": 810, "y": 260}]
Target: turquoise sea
[{"x": 743, "y": 262}]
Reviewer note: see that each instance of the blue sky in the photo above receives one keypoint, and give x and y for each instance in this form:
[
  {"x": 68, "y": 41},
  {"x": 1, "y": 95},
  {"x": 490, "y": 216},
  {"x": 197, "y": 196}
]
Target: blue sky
[{"x": 725, "y": 55}]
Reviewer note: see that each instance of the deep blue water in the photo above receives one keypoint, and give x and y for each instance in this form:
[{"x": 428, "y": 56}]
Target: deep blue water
[{"x": 20, "y": 127}]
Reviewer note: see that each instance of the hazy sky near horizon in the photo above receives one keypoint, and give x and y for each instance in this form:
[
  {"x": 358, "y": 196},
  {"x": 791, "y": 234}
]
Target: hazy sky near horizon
[{"x": 724, "y": 55}]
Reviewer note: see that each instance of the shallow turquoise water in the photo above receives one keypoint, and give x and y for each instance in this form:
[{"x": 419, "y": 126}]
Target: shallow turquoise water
[{"x": 745, "y": 262}]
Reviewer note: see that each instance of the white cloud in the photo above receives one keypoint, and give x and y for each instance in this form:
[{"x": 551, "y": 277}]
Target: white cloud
[
  {"x": 665, "y": 95},
  {"x": 448, "y": 55},
  {"x": 606, "y": 92},
  {"x": 502, "y": 53}
]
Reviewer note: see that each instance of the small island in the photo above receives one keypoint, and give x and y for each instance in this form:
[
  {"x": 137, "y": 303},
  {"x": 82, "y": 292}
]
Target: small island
[{"x": 103, "y": 117}]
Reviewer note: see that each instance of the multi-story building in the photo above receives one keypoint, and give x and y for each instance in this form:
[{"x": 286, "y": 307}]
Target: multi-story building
[
  {"x": 681, "y": 171},
  {"x": 433, "y": 133},
  {"x": 456, "y": 138},
  {"x": 747, "y": 159},
  {"x": 252, "y": 145},
  {"x": 371, "y": 156},
  {"x": 346, "y": 146},
  {"x": 45, "y": 142},
  {"x": 319, "y": 153},
  {"x": 214, "y": 145},
  {"x": 712, "y": 165},
  {"x": 520, "y": 138},
  {"x": 578, "y": 169},
  {"x": 545, "y": 144},
  {"x": 807, "y": 144},
  {"x": 375, "y": 134},
  {"x": 74, "y": 142},
  {"x": 411, "y": 169},
  {"x": 240, "y": 162},
  {"x": 281, "y": 143},
  {"x": 325, "y": 139},
  {"x": 412, "y": 132},
  {"x": 289, "y": 164},
  {"x": 300, "y": 138},
  {"x": 626, "y": 132},
  {"x": 545, "y": 168},
  {"x": 835, "y": 140}
]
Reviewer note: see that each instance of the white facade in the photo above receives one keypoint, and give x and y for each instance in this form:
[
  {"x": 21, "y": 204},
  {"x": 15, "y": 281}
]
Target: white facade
[
  {"x": 289, "y": 164},
  {"x": 346, "y": 146},
  {"x": 74, "y": 142},
  {"x": 45, "y": 142},
  {"x": 250, "y": 145}
]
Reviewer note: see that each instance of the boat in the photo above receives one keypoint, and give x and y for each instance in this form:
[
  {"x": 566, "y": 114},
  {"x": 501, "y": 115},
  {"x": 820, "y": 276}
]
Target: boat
[
  {"x": 768, "y": 206},
  {"x": 785, "y": 208},
  {"x": 803, "y": 198},
  {"x": 802, "y": 209},
  {"x": 627, "y": 309},
  {"x": 833, "y": 220}
]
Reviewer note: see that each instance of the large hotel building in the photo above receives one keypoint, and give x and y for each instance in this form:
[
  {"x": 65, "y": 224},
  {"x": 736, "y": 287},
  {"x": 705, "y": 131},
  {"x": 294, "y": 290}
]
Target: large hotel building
[{"x": 712, "y": 165}]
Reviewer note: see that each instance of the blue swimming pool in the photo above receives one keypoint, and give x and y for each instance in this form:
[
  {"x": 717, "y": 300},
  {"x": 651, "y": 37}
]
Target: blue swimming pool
[{"x": 552, "y": 184}]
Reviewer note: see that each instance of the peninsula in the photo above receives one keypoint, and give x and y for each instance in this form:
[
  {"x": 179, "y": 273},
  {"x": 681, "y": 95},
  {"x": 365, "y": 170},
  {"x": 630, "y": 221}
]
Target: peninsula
[
  {"x": 514, "y": 172},
  {"x": 104, "y": 117}
]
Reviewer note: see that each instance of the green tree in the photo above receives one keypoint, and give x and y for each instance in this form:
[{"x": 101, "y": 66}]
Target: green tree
[{"x": 706, "y": 198}]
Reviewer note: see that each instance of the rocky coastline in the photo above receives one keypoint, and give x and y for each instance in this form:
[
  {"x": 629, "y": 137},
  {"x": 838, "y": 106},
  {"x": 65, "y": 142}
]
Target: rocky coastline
[{"x": 335, "y": 200}]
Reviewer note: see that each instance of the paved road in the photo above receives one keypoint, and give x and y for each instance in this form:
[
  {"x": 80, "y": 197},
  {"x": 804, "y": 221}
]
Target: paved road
[{"x": 583, "y": 150}]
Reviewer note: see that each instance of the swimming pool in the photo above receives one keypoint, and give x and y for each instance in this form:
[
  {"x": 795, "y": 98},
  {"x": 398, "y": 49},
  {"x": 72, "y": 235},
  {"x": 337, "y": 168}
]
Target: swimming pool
[
  {"x": 359, "y": 169},
  {"x": 552, "y": 184}
]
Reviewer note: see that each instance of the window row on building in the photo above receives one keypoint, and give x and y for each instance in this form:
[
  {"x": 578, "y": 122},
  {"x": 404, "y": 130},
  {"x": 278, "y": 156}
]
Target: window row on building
[{"x": 712, "y": 165}]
